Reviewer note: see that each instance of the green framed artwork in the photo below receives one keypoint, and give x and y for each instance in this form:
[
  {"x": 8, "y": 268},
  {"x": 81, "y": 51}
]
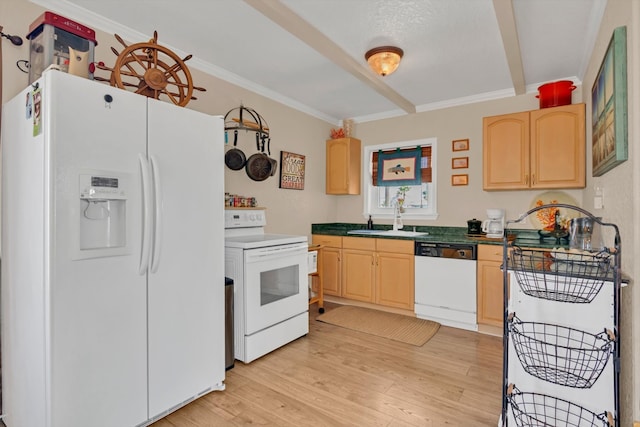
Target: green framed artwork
[
  {"x": 609, "y": 107},
  {"x": 399, "y": 168}
]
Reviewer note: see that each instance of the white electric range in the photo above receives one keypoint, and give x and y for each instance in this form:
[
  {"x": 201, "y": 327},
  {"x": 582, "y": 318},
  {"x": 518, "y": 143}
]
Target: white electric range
[{"x": 271, "y": 297}]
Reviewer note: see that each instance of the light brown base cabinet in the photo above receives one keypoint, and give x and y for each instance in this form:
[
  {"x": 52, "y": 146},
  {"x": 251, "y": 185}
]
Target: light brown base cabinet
[
  {"x": 395, "y": 280},
  {"x": 490, "y": 285},
  {"x": 331, "y": 263},
  {"x": 542, "y": 149},
  {"x": 358, "y": 268},
  {"x": 379, "y": 271}
]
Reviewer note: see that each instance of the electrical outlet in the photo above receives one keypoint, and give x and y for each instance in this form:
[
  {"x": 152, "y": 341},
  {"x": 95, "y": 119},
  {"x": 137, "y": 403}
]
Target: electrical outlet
[
  {"x": 597, "y": 202},
  {"x": 598, "y": 198}
]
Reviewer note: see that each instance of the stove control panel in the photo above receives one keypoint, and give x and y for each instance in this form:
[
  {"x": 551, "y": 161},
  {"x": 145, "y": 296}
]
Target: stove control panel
[{"x": 242, "y": 218}]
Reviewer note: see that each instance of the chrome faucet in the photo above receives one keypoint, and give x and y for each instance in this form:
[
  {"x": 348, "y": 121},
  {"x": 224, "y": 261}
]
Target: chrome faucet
[{"x": 397, "y": 217}]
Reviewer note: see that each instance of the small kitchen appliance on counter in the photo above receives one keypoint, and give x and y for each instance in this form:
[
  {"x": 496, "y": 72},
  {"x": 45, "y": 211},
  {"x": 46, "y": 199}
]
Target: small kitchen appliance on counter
[
  {"x": 271, "y": 304},
  {"x": 494, "y": 225},
  {"x": 474, "y": 227}
]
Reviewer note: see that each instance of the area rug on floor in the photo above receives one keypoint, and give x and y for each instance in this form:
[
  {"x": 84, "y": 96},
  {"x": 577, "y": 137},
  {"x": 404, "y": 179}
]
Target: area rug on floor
[{"x": 397, "y": 327}]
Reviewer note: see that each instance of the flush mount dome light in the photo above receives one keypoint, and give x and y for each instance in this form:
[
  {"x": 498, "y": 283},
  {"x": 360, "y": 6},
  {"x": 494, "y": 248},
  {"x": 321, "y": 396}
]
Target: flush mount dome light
[{"x": 384, "y": 60}]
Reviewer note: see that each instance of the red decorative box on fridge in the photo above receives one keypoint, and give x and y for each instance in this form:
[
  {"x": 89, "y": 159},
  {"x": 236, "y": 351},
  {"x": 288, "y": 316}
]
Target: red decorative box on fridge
[
  {"x": 61, "y": 42},
  {"x": 555, "y": 94}
]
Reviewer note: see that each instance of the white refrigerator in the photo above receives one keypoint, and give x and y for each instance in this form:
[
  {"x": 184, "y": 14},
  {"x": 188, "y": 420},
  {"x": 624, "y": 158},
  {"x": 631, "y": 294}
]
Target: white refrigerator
[{"x": 112, "y": 255}]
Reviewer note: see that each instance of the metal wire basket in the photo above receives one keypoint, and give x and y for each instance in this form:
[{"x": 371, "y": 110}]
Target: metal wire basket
[
  {"x": 540, "y": 410},
  {"x": 560, "y": 355},
  {"x": 560, "y": 276}
]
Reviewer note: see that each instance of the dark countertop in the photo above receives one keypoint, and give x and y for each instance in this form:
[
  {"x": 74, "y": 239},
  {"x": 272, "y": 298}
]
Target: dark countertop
[
  {"x": 437, "y": 234},
  {"x": 525, "y": 238}
]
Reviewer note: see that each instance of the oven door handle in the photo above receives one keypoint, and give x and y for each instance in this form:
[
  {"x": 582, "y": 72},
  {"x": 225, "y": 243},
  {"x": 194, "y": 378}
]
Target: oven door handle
[{"x": 275, "y": 251}]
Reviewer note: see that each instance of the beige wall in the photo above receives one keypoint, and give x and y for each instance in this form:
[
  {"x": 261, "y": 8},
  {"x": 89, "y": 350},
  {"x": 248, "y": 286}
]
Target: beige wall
[
  {"x": 622, "y": 204},
  {"x": 291, "y": 211}
]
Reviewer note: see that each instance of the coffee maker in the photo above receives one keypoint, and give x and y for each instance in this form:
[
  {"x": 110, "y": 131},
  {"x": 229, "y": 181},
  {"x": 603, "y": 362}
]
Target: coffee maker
[{"x": 494, "y": 225}]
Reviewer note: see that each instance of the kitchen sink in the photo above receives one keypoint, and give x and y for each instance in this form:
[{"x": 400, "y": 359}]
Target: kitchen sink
[{"x": 394, "y": 233}]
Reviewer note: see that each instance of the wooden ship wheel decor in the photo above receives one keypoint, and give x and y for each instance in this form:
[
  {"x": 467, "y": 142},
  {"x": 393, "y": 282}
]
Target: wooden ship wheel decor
[{"x": 151, "y": 70}]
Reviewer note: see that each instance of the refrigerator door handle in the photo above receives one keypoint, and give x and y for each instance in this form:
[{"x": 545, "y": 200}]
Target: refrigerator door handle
[
  {"x": 157, "y": 234},
  {"x": 146, "y": 214}
]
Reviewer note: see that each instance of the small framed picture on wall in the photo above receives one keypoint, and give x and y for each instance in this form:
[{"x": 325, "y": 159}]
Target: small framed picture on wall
[
  {"x": 460, "y": 145},
  {"x": 460, "y": 179},
  {"x": 460, "y": 163}
]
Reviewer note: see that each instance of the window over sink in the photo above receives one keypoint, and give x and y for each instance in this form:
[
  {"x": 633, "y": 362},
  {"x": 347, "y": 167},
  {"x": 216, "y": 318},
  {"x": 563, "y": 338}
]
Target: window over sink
[{"x": 417, "y": 201}]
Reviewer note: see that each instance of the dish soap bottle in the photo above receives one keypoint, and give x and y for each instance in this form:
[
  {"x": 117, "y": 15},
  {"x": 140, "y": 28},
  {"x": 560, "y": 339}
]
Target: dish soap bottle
[{"x": 370, "y": 223}]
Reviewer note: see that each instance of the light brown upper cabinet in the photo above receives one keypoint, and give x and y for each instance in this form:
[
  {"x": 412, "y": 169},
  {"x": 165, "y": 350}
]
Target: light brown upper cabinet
[
  {"x": 343, "y": 166},
  {"x": 535, "y": 149}
]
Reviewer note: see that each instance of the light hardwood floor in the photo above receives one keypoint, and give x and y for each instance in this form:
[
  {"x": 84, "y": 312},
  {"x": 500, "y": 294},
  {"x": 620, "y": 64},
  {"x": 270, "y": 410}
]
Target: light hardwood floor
[{"x": 335, "y": 376}]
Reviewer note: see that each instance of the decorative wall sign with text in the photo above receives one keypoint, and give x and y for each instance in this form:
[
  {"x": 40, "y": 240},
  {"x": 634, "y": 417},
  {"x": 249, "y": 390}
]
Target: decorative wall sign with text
[{"x": 291, "y": 171}]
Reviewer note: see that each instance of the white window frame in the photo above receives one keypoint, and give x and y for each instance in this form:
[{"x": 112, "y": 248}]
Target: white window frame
[{"x": 368, "y": 188}]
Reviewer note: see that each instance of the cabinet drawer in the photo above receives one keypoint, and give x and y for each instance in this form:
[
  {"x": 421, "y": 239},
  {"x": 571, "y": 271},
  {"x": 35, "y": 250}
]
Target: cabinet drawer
[
  {"x": 395, "y": 246},
  {"x": 363, "y": 243},
  {"x": 327, "y": 240},
  {"x": 490, "y": 252}
]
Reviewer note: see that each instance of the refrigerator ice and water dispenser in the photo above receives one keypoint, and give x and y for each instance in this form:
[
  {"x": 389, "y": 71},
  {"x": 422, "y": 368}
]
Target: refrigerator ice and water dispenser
[{"x": 102, "y": 212}]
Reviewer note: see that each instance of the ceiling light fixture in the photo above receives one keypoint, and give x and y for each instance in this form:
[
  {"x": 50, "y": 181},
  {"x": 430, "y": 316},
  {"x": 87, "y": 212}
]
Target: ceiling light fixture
[{"x": 384, "y": 59}]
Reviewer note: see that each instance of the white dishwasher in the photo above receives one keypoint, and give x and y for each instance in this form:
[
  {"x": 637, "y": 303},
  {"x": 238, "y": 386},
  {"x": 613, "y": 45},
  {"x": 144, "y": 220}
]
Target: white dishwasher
[{"x": 445, "y": 280}]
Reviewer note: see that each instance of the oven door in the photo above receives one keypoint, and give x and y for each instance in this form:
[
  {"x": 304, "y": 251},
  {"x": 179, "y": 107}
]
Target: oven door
[{"x": 276, "y": 286}]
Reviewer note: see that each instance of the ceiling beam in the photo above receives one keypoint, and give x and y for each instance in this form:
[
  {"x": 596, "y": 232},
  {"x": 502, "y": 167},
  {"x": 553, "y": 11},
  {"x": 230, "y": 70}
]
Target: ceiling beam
[
  {"x": 288, "y": 20},
  {"x": 507, "y": 24}
]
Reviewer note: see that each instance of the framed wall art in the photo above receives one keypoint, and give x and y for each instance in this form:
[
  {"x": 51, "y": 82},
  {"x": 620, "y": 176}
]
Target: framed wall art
[
  {"x": 291, "y": 171},
  {"x": 460, "y": 179},
  {"x": 609, "y": 107},
  {"x": 460, "y": 145},
  {"x": 399, "y": 168},
  {"x": 460, "y": 163}
]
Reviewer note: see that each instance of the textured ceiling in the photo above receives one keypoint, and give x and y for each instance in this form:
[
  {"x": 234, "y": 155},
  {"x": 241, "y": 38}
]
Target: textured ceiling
[{"x": 309, "y": 54}]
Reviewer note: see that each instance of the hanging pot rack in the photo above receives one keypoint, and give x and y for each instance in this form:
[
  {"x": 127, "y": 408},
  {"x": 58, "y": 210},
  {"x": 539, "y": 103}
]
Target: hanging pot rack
[
  {"x": 248, "y": 119},
  {"x": 258, "y": 166}
]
